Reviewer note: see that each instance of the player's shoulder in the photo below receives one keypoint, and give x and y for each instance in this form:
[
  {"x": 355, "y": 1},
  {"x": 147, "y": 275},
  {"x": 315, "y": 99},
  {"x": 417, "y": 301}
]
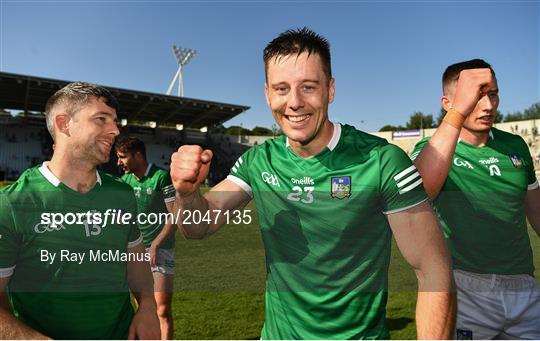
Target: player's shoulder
[
  {"x": 506, "y": 137},
  {"x": 362, "y": 143},
  {"x": 111, "y": 182},
  {"x": 25, "y": 189},
  {"x": 30, "y": 179},
  {"x": 157, "y": 171},
  {"x": 352, "y": 137}
]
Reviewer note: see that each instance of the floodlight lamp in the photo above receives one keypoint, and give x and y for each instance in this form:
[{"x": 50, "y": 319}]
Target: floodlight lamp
[
  {"x": 204, "y": 129},
  {"x": 123, "y": 122},
  {"x": 179, "y": 127},
  {"x": 152, "y": 124}
]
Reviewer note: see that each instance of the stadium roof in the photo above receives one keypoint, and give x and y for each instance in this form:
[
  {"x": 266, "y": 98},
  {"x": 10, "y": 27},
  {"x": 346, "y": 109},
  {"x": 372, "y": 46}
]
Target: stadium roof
[{"x": 30, "y": 93}]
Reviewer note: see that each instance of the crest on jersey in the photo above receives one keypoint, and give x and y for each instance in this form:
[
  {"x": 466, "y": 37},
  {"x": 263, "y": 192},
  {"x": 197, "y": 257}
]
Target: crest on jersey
[
  {"x": 340, "y": 187},
  {"x": 517, "y": 161},
  {"x": 149, "y": 190}
]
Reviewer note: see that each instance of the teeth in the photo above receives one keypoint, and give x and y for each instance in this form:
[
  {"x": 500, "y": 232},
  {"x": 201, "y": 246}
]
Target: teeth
[{"x": 297, "y": 118}]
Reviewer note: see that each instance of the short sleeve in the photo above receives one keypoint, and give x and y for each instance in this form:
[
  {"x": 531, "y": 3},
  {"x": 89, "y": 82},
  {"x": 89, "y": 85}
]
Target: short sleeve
[
  {"x": 239, "y": 173},
  {"x": 418, "y": 148},
  {"x": 401, "y": 184},
  {"x": 165, "y": 185},
  {"x": 532, "y": 182},
  {"x": 9, "y": 240}
]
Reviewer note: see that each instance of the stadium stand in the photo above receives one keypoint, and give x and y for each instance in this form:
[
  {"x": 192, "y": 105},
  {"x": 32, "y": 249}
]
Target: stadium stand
[{"x": 25, "y": 142}]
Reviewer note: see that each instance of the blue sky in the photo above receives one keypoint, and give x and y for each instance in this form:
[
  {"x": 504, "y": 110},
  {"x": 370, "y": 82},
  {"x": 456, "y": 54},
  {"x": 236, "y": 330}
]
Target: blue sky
[{"x": 388, "y": 56}]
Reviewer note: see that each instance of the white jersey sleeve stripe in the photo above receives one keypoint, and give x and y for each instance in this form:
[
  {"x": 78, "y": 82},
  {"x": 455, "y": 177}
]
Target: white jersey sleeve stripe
[
  {"x": 404, "y": 208},
  {"x": 6, "y": 272},
  {"x": 408, "y": 188},
  {"x": 409, "y": 179},
  {"x": 405, "y": 172},
  {"x": 532, "y": 186},
  {"x": 135, "y": 242},
  {"x": 241, "y": 183}
]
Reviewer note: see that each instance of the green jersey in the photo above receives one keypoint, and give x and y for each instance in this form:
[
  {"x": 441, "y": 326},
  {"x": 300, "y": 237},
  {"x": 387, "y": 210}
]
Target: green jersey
[
  {"x": 152, "y": 191},
  {"x": 481, "y": 205},
  {"x": 326, "y": 237},
  {"x": 68, "y": 280}
]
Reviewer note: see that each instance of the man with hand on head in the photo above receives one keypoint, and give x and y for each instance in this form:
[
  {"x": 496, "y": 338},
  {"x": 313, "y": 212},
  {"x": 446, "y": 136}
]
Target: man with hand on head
[
  {"x": 483, "y": 187},
  {"x": 71, "y": 279},
  {"x": 327, "y": 278},
  {"x": 155, "y": 195}
]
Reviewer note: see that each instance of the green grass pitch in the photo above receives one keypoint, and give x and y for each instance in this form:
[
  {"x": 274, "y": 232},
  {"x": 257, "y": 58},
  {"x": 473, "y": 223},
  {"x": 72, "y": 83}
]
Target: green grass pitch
[{"x": 219, "y": 286}]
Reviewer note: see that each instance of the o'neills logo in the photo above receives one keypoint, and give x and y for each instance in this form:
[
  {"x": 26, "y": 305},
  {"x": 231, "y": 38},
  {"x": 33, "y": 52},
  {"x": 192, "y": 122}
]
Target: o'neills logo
[
  {"x": 489, "y": 161},
  {"x": 306, "y": 180}
]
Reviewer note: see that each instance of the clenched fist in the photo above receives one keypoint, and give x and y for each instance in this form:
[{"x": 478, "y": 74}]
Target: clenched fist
[
  {"x": 471, "y": 86},
  {"x": 189, "y": 167}
]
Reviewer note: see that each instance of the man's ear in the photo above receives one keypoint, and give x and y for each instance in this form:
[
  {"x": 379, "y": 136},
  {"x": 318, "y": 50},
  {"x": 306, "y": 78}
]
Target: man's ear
[
  {"x": 331, "y": 90},
  {"x": 138, "y": 156},
  {"x": 446, "y": 103},
  {"x": 266, "y": 93},
  {"x": 61, "y": 123}
]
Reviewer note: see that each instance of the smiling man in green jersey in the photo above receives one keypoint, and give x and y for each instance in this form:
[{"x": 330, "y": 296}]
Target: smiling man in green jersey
[
  {"x": 329, "y": 198},
  {"x": 483, "y": 187},
  {"x": 66, "y": 259},
  {"x": 155, "y": 195}
]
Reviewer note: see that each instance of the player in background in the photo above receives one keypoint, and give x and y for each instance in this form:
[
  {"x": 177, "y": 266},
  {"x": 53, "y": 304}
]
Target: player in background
[
  {"x": 483, "y": 186},
  {"x": 67, "y": 297},
  {"x": 329, "y": 198},
  {"x": 155, "y": 194}
]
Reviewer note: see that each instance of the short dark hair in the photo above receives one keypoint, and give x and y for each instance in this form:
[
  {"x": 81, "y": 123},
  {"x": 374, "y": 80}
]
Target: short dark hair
[
  {"x": 130, "y": 145},
  {"x": 451, "y": 74},
  {"x": 74, "y": 97},
  {"x": 296, "y": 42}
]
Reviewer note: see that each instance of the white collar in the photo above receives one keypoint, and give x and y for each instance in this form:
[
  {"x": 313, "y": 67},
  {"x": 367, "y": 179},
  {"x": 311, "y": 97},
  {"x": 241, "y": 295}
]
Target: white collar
[
  {"x": 46, "y": 172},
  {"x": 490, "y": 136},
  {"x": 148, "y": 169},
  {"x": 336, "y": 134}
]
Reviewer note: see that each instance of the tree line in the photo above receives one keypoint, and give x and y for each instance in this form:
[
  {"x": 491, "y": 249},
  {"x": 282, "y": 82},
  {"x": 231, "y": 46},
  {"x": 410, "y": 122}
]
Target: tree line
[
  {"x": 419, "y": 120},
  {"x": 239, "y": 130}
]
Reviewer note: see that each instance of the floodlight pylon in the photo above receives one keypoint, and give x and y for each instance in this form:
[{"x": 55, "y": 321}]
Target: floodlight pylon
[{"x": 183, "y": 56}]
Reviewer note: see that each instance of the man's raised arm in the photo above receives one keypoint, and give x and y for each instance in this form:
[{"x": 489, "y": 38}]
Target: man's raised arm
[
  {"x": 435, "y": 159},
  {"x": 189, "y": 167}
]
